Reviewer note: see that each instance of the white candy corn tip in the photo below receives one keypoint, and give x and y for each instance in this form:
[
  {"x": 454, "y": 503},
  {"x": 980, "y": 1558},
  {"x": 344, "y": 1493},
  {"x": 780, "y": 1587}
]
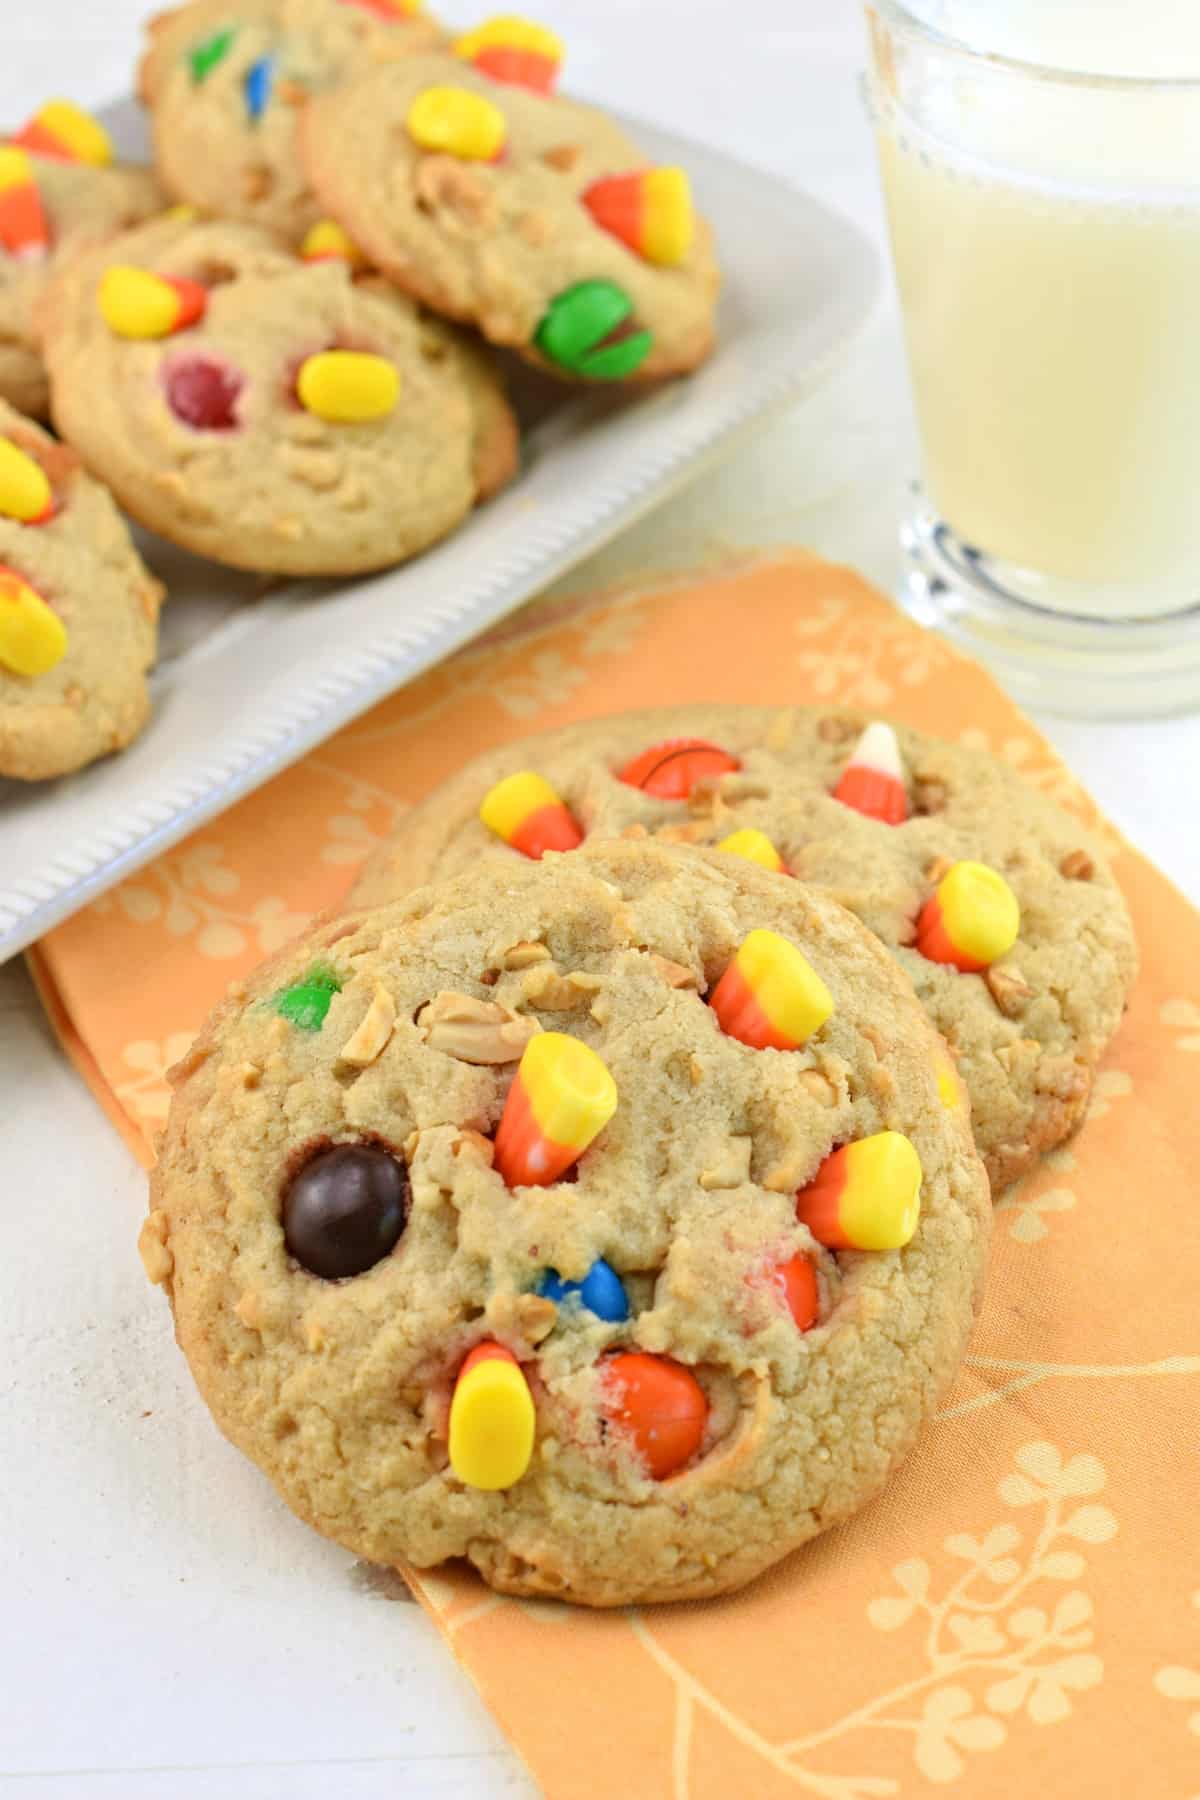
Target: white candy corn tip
[{"x": 878, "y": 750}]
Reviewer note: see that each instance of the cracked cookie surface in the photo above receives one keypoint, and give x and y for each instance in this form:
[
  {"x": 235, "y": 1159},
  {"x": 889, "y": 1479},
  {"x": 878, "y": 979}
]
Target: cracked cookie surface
[
  {"x": 399, "y": 1030},
  {"x": 202, "y": 434},
  {"x": 1026, "y": 1034}
]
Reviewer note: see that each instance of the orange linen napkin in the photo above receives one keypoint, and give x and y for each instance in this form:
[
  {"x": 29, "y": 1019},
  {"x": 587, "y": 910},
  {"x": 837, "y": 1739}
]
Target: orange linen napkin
[{"x": 1020, "y": 1612}]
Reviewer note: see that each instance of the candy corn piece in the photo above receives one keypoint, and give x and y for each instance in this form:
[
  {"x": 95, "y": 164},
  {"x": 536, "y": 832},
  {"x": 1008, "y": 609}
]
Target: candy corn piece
[
  {"x": 67, "y": 133},
  {"x": 753, "y": 846},
  {"x": 650, "y": 210},
  {"x": 866, "y": 1196},
  {"x": 457, "y": 122},
  {"x": 389, "y": 10},
  {"x": 872, "y": 782},
  {"x": 327, "y": 242},
  {"x": 33, "y": 639},
  {"x": 951, "y": 1092},
  {"x": 770, "y": 996},
  {"x": 797, "y": 1282},
  {"x": 136, "y": 304},
  {"x": 515, "y": 51},
  {"x": 24, "y": 230},
  {"x": 561, "y": 1099},
  {"x": 525, "y": 811},
  {"x": 492, "y": 1420},
  {"x": 971, "y": 920},
  {"x": 25, "y": 492},
  {"x": 348, "y": 387},
  {"x": 658, "y": 1405},
  {"x": 671, "y": 770}
]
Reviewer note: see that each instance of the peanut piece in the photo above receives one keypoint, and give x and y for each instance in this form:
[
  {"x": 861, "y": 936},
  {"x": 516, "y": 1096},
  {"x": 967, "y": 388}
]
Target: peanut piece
[
  {"x": 154, "y": 1249},
  {"x": 475, "y": 1031},
  {"x": 374, "y": 1032}
]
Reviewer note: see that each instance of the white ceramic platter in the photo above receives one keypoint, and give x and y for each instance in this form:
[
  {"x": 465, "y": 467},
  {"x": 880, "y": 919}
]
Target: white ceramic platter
[{"x": 250, "y": 680}]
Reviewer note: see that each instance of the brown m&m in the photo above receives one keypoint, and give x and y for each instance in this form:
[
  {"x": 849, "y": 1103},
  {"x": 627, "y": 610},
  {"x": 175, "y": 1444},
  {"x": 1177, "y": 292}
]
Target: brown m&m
[{"x": 345, "y": 1210}]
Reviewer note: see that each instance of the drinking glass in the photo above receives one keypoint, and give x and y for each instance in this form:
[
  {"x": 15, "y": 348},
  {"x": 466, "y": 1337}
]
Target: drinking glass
[{"x": 1045, "y": 228}]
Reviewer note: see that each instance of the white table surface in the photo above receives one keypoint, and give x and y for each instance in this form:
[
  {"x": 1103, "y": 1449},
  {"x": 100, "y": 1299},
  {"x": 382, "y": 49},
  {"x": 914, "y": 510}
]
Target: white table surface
[{"x": 170, "y": 1633}]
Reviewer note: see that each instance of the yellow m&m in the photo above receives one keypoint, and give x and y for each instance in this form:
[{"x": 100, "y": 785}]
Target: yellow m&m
[
  {"x": 25, "y": 492},
  {"x": 457, "y": 122},
  {"x": 348, "y": 387}
]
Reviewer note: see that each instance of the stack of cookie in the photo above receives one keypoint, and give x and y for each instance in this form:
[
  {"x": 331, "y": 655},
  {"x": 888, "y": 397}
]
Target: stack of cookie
[
  {"x": 279, "y": 372},
  {"x": 611, "y": 1209}
]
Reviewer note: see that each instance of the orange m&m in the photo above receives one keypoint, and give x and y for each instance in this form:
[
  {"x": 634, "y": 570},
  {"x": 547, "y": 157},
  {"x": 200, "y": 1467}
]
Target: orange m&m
[
  {"x": 658, "y": 1405},
  {"x": 671, "y": 770}
]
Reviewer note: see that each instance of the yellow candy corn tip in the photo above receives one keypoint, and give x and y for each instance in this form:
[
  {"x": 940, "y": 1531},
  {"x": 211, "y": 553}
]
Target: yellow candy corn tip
[
  {"x": 949, "y": 1087},
  {"x": 458, "y": 122},
  {"x": 670, "y": 222},
  {"x": 753, "y": 846},
  {"x": 16, "y": 170},
  {"x": 788, "y": 989},
  {"x": 492, "y": 1425},
  {"x": 136, "y": 304},
  {"x": 348, "y": 387},
  {"x": 979, "y": 910},
  {"x": 571, "y": 1093},
  {"x": 508, "y": 32},
  {"x": 33, "y": 639},
  {"x": 326, "y": 238},
  {"x": 505, "y": 808},
  {"x": 82, "y": 135},
  {"x": 24, "y": 490},
  {"x": 881, "y": 1203}
]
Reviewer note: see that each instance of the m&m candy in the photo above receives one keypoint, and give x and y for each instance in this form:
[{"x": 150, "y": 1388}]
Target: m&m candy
[
  {"x": 951, "y": 1092},
  {"x": 388, "y": 10},
  {"x": 306, "y": 1002},
  {"x": 33, "y": 639},
  {"x": 797, "y": 1282},
  {"x": 136, "y": 304},
  {"x": 753, "y": 846},
  {"x": 513, "y": 50},
  {"x": 865, "y": 1196},
  {"x": 650, "y": 210},
  {"x": 24, "y": 229},
  {"x": 525, "y": 811},
  {"x": 671, "y": 770},
  {"x": 589, "y": 330},
  {"x": 872, "y": 782},
  {"x": 770, "y": 997},
  {"x": 971, "y": 920},
  {"x": 260, "y": 78},
  {"x": 348, "y": 387},
  {"x": 492, "y": 1420},
  {"x": 203, "y": 393},
  {"x": 64, "y": 132},
  {"x": 601, "y": 1291},
  {"x": 345, "y": 1210},
  {"x": 561, "y": 1098},
  {"x": 658, "y": 1405},
  {"x": 327, "y": 242},
  {"x": 456, "y": 122},
  {"x": 204, "y": 57},
  {"x": 25, "y": 492}
]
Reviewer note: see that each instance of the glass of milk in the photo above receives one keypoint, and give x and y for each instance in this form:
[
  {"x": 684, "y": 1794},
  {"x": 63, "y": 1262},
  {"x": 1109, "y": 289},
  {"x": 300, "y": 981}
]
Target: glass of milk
[{"x": 1041, "y": 167}]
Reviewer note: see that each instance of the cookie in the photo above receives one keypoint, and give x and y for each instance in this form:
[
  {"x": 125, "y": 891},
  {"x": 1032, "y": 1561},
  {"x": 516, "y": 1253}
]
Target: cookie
[
  {"x": 1027, "y": 1028},
  {"x": 60, "y": 193},
  {"x": 268, "y": 412},
  {"x": 492, "y": 1230},
  {"x": 78, "y": 611},
  {"x": 524, "y": 214},
  {"x": 226, "y": 82}
]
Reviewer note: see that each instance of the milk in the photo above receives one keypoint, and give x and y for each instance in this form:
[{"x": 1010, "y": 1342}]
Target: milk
[{"x": 1047, "y": 247}]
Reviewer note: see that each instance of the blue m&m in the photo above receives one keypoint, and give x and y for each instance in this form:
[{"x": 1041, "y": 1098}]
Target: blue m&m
[{"x": 601, "y": 1291}]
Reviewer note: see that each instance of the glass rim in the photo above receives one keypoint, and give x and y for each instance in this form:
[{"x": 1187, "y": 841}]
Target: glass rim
[{"x": 898, "y": 14}]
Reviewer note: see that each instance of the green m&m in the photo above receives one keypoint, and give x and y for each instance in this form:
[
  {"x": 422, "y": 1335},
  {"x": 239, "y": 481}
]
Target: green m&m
[
  {"x": 204, "y": 58},
  {"x": 306, "y": 1002},
  {"x": 589, "y": 329}
]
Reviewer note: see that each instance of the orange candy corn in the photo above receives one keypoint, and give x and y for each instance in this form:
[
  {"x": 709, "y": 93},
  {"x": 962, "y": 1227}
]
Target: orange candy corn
[
  {"x": 388, "y": 10},
  {"x": 327, "y": 242},
  {"x": 872, "y": 782},
  {"x": 658, "y": 1404},
  {"x": 971, "y": 920},
  {"x": 671, "y": 770},
  {"x": 753, "y": 846},
  {"x": 66, "y": 133},
  {"x": 24, "y": 230},
  {"x": 136, "y": 304},
  {"x": 770, "y": 996},
  {"x": 866, "y": 1196},
  {"x": 492, "y": 1420},
  {"x": 561, "y": 1099},
  {"x": 797, "y": 1281},
  {"x": 650, "y": 210},
  {"x": 525, "y": 811},
  {"x": 514, "y": 50}
]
